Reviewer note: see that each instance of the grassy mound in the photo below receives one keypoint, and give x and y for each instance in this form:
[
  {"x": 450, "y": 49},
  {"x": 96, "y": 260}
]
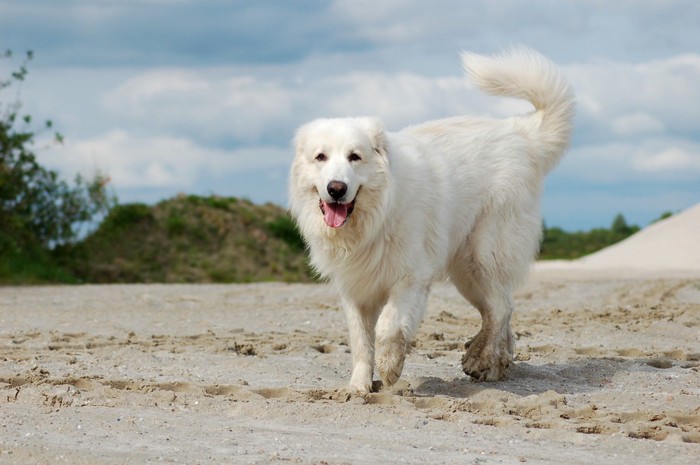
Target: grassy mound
[{"x": 192, "y": 239}]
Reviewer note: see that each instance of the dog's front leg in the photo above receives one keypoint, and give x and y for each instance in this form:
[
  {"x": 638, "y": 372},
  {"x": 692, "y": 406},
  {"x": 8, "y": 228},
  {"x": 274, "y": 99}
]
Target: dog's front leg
[
  {"x": 396, "y": 326},
  {"x": 361, "y": 322}
]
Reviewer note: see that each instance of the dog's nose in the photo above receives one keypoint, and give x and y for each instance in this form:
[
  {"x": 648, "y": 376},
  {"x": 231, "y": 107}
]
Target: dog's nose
[{"x": 337, "y": 189}]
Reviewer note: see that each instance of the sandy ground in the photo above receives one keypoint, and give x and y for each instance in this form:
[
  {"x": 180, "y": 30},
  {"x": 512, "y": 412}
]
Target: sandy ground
[{"x": 608, "y": 371}]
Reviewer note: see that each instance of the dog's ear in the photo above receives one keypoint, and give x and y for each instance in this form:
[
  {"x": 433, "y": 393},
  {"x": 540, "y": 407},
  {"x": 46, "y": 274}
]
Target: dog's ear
[{"x": 377, "y": 135}]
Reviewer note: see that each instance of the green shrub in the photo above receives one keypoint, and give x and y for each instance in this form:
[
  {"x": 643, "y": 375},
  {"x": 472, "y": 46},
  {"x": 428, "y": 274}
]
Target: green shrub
[
  {"x": 127, "y": 215},
  {"x": 286, "y": 229},
  {"x": 175, "y": 224},
  {"x": 32, "y": 266}
]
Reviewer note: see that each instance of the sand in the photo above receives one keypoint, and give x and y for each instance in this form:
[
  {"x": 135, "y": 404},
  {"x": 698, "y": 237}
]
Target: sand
[{"x": 607, "y": 371}]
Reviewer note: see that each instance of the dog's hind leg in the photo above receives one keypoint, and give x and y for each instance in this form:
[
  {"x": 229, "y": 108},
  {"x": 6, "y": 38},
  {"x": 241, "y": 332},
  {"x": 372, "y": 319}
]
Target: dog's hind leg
[
  {"x": 361, "y": 322},
  {"x": 489, "y": 353},
  {"x": 396, "y": 326},
  {"x": 491, "y": 264}
]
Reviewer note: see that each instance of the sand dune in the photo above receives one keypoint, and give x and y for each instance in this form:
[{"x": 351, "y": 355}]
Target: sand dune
[
  {"x": 608, "y": 371},
  {"x": 669, "y": 245}
]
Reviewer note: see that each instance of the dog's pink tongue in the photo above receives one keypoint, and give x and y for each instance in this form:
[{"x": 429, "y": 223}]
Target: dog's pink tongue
[{"x": 335, "y": 214}]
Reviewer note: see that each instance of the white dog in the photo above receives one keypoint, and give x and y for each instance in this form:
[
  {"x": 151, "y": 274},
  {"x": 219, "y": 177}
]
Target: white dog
[{"x": 386, "y": 214}]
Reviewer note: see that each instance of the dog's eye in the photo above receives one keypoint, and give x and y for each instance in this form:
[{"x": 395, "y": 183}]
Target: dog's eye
[
  {"x": 354, "y": 157},
  {"x": 321, "y": 157}
]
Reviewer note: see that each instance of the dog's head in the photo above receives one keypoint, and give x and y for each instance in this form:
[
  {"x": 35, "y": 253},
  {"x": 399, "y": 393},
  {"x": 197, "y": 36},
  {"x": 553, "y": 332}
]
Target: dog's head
[{"x": 337, "y": 163}]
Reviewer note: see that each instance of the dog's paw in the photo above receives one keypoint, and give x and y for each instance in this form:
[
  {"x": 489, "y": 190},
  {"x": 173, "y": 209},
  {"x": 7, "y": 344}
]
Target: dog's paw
[
  {"x": 359, "y": 387},
  {"x": 345, "y": 394},
  {"x": 361, "y": 380},
  {"x": 487, "y": 360},
  {"x": 390, "y": 355}
]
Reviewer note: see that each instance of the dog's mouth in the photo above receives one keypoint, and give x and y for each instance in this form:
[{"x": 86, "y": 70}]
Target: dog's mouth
[{"x": 336, "y": 214}]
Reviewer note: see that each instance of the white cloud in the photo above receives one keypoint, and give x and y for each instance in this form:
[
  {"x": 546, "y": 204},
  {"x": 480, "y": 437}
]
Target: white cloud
[
  {"x": 638, "y": 98},
  {"x": 434, "y": 24},
  {"x": 152, "y": 84},
  {"x": 157, "y": 162},
  {"x": 671, "y": 159},
  {"x": 636, "y": 123},
  {"x": 399, "y": 99},
  {"x": 650, "y": 160},
  {"x": 204, "y": 103}
]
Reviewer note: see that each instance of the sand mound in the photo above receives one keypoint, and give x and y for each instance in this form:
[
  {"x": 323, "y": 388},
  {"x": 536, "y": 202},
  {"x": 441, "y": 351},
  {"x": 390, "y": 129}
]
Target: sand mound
[{"x": 670, "y": 244}]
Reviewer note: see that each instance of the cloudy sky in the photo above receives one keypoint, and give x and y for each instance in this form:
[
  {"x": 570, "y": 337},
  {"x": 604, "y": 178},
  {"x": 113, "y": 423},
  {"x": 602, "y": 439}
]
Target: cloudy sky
[{"x": 203, "y": 96}]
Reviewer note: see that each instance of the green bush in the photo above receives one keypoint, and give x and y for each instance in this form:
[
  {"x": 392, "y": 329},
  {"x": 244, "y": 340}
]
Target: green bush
[
  {"x": 32, "y": 266},
  {"x": 127, "y": 215},
  {"x": 284, "y": 228},
  {"x": 175, "y": 224}
]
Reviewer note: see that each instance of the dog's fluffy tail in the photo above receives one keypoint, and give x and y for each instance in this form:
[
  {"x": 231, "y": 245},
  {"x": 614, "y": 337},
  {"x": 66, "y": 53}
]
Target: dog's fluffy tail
[{"x": 524, "y": 73}]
